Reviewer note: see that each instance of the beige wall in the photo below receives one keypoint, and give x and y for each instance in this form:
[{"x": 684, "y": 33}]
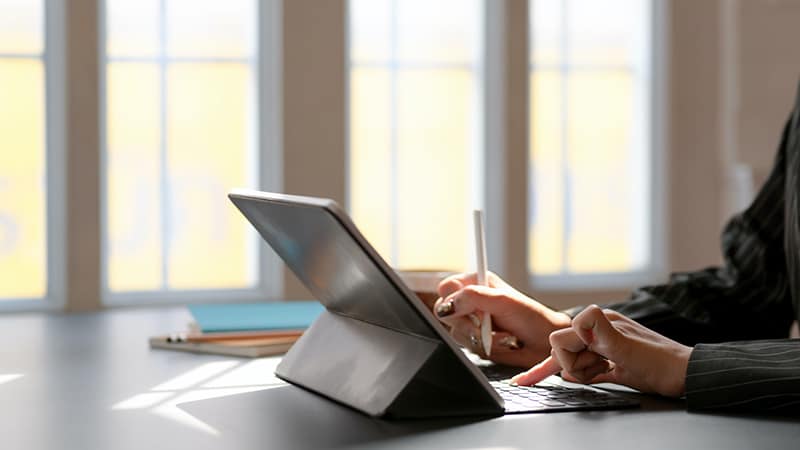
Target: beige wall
[
  {"x": 314, "y": 87},
  {"x": 735, "y": 68},
  {"x": 82, "y": 196},
  {"x": 693, "y": 134},
  {"x": 765, "y": 71}
]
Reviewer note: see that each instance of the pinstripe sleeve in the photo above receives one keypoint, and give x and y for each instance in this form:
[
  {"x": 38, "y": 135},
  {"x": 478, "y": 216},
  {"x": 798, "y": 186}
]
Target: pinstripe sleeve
[{"x": 758, "y": 376}]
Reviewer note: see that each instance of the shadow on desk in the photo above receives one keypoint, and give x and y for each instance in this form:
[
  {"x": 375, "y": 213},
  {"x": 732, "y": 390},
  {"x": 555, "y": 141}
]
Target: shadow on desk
[{"x": 289, "y": 417}]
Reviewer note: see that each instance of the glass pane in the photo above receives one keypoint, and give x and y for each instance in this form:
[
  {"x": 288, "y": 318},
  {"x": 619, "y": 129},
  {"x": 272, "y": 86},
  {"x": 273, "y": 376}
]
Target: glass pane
[
  {"x": 603, "y": 207},
  {"x": 132, "y": 28},
  {"x": 21, "y": 30},
  {"x": 438, "y": 32},
  {"x": 211, "y": 28},
  {"x": 22, "y": 179},
  {"x": 414, "y": 127},
  {"x": 133, "y": 181},
  {"x": 435, "y": 119},
  {"x": 210, "y": 151},
  {"x": 546, "y": 19},
  {"x": 370, "y": 156},
  {"x": 605, "y": 32},
  {"x": 370, "y": 30},
  {"x": 546, "y": 255}
]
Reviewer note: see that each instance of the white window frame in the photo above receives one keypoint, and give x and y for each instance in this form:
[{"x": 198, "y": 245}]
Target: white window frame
[
  {"x": 656, "y": 269},
  {"x": 477, "y": 194},
  {"x": 52, "y": 58},
  {"x": 269, "y": 284}
]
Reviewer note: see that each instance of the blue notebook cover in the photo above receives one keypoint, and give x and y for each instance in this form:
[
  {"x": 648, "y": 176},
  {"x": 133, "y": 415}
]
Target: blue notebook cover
[{"x": 286, "y": 315}]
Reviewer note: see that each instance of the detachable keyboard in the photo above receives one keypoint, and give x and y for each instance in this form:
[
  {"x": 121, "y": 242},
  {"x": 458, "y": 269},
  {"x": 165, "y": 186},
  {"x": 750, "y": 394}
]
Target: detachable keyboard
[{"x": 524, "y": 399}]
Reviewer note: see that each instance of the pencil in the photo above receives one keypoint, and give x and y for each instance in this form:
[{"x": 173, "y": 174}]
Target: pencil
[{"x": 480, "y": 255}]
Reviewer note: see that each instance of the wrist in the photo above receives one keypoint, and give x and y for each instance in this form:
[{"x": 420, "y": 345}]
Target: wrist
[{"x": 680, "y": 365}]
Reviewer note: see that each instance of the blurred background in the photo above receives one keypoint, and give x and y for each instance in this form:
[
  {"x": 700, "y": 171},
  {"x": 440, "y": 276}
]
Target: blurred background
[{"x": 608, "y": 142}]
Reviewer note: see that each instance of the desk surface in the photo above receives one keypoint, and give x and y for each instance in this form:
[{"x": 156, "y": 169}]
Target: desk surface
[{"x": 89, "y": 381}]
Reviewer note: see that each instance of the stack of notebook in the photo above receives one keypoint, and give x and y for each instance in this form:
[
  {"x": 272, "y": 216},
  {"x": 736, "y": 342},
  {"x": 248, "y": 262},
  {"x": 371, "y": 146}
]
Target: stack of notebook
[{"x": 244, "y": 329}]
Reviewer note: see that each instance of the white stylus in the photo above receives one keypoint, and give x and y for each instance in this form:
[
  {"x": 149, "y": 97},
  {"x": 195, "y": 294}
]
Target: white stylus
[{"x": 480, "y": 254}]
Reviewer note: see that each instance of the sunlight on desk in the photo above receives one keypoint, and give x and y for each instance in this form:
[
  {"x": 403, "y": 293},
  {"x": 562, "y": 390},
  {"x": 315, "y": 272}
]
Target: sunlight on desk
[
  {"x": 9, "y": 377},
  {"x": 209, "y": 380},
  {"x": 196, "y": 376}
]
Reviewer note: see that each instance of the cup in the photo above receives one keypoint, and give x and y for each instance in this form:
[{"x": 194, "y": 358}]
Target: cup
[{"x": 425, "y": 283}]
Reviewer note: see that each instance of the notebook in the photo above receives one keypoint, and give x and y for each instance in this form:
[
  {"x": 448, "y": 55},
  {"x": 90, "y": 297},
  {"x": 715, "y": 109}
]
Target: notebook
[
  {"x": 242, "y": 329},
  {"x": 249, "y": 348},
  {"x": 276, "y": 315}
]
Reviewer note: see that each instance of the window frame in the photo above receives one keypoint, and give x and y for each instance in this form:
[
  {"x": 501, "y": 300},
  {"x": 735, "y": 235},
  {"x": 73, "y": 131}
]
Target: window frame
[
  {"x": 52, "y": 58},
  {"x": 504, "y": 103},
  {"x": 505, "y": 132},
  {"x": 486, "y": 82},
  {"x": 656, "y": 269},
  {"x": 268, "y": 77}
]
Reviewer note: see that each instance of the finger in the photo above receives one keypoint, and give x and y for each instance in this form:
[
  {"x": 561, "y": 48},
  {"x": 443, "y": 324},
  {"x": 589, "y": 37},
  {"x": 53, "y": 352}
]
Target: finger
[
  {"x": 587, "y": 359},
  {"x": 458, "y": 281},
  {"x": 450, "y": 285},
  {"x": 611, "y": 375},
  {"x": 549, "y": 366},
  {"x": 444, "y": 309},
  {"x": 567, "y": 339},
  {"x": 566, "y": 346},
  {"x": 469, "y": 336},
  {"x": 474, "y": 298},
  {"x": 596, "y": 331},
  {"x": 460, "y": 328},
  {"x": 587, "y": 374},
  {"x": 503, "y": 342}
]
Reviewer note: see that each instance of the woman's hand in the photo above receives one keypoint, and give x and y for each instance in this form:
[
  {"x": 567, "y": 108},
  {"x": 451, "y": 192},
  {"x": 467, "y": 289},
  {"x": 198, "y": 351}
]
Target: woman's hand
[
  {"x": 605, "y": 346},
  {"x": 520, "y": 324}
]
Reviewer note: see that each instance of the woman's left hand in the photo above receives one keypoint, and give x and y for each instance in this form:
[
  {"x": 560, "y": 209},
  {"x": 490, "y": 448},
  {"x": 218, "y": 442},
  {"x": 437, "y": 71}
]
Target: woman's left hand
[{"x": 603, "y": 346}]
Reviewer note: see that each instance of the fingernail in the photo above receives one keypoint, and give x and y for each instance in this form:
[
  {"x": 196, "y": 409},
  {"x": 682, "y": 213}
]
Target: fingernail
[
  {"x": 511, "y": 342},
  {"x": 476, "y": 322},
  {"x": 445, "y": 309}
]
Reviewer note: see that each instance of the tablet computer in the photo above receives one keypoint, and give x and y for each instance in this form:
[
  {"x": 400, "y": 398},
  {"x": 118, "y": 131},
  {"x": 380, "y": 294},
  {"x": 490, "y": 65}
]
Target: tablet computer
[{"x": 376, "y": 347}]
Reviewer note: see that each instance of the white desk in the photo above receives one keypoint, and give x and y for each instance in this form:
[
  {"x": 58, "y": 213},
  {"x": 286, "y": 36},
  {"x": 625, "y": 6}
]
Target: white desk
[{"x": 91, "y": 382}]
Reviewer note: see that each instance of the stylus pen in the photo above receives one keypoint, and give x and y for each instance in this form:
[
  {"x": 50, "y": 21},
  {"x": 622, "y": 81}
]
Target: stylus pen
[{"x": 480, "y": 254}]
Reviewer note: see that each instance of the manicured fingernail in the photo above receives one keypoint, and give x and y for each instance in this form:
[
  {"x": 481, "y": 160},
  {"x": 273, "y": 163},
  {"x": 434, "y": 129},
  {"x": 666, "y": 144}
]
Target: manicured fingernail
[
  {"x": 445, "y": 309},
  {"x": 510, "y": 342},
  {"x": 476, "y": 322}
]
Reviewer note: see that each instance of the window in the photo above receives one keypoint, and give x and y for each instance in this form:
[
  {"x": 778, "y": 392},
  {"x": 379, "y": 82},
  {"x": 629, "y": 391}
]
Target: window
[
  {"x": 23, "y": 151},
  {"x": 182, "y": 124},
  {"x": 592, "y": 153},
  {"x": 415, "y": 139}
]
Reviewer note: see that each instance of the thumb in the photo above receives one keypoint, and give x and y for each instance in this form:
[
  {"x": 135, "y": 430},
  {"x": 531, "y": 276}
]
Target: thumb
[{"x": 596, "y": 331}]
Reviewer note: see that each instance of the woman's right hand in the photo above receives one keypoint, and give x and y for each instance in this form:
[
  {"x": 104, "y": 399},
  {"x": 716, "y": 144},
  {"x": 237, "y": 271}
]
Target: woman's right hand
[{"x": 521, "y": 325}]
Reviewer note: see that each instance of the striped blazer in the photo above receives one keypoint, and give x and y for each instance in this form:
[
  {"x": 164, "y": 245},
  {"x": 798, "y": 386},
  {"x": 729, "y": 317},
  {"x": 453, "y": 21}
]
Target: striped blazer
[{"x": 738, "y": 316}]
